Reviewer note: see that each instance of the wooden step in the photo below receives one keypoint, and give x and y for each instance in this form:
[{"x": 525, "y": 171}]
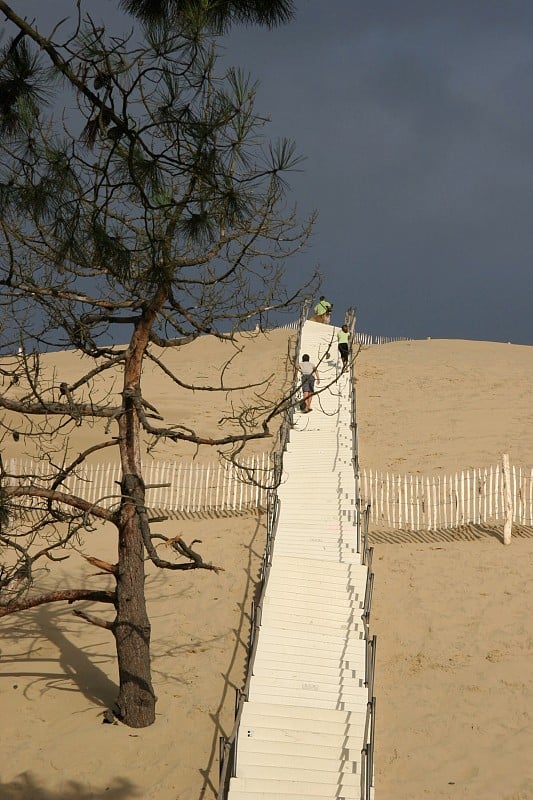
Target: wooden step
[
  {"x": 320, "y": 639},
  {"x": 258, "y": 711},
  {"x": 328, "y": 750},
  {"x": 293, "y": 699},
  {"x": 316, "y": 635},
  {"x": 305, "y": 608},
  {"x": 281, "y": 649},
  {"x": 294, "y": 565},
  {"x": 311, "y": 622},
  {"x": 326, "y": 553},
  {"x": 312, "y": 637},
  {"x": 306, "y": 602},
  {"x": 315, "y": 571},
  {"x": 334, "y": 762},
  {"x": 243, "y": 789},
  {"x": 328, "y": 736},
  {"x": 326, "y": 574},
  {"x": 310, "y": 688},
  {"x": 321, "y": 663},
  {"x": 334, "y": 675},
  {"x": 354, "y": 595},
  {"x": 310, "y": 570},
  {"x": 295, "y": 773},
  {"x": 249, "y": 794},
  {"x": 310, "y": 586}
]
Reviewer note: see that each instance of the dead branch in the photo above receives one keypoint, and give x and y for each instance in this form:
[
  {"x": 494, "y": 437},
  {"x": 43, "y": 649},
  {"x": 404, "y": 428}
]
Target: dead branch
[
  {"x": 68, "y": 595},
  {"x": 195, "y": 388},
  {"x": 60, "y": 497},
  {"x": 103, "y": 565},
  {"x": 98, "y": 621},
  {"x": 177, "y": 543}
]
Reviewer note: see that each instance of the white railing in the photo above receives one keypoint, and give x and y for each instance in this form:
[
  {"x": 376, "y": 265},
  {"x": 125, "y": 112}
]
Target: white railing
[
  {"x": 184, "y": 487},
  {"x": 418, "y": 502}
]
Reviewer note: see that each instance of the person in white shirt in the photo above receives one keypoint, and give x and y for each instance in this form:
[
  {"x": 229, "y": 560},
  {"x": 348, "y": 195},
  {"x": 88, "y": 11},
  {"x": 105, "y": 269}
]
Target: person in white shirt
[{"x": 309, "y": 373}]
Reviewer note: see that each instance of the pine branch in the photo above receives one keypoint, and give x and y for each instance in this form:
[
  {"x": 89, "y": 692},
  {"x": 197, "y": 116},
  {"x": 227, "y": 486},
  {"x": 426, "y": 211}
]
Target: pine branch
[
  {"x": 98, "y": 621},
  {"x": 68, "y": 595}
]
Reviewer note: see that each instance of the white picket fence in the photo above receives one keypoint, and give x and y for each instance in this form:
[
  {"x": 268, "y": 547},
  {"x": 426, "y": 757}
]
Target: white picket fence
[
  {"x": 291, "y": 326},
  {"x": 417, "y": 502},
  {"x": 367, "y": 339},
  {"x": 172, "y": 486}
]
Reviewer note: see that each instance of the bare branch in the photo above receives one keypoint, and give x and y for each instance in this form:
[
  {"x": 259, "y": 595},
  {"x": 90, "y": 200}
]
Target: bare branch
[
  {"x": 98, "y": 621},
  {"x": 60, "y": 497},
  {"x": 177, "y": 543},
  {"x": 196, "y": 388},
  {"x": 68, "y": 595},
  {"x": 105, "y": 566},
  {"x": 58, "y": 409}
]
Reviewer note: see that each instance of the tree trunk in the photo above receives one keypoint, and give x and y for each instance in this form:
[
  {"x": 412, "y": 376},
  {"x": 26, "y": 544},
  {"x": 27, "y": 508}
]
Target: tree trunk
[{"x": 136, "y": 699}]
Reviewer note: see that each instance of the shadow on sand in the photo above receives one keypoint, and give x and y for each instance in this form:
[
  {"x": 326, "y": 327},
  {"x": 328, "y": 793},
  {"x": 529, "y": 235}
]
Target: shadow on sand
[
  {"x": 25, "y": 787},
  {"x": 463, "y": 533},
  {"x": 210, "y": 777},
  {"x": 72, "y": 670}
]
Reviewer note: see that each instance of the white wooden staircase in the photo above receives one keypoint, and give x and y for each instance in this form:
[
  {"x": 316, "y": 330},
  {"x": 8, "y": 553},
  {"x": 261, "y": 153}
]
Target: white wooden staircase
[{"x": 302, "y": 726}]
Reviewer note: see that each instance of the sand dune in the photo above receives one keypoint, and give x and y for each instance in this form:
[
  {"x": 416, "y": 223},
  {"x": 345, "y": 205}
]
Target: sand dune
[
  {"x": 452, "y": 611},
  {"x": 58, "y": 674},
  {"x": 444, "y": 404}
]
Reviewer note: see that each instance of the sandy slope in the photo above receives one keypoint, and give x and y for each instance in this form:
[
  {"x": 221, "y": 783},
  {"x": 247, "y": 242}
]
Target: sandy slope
[
  {"x": 58, "y": 674},
  {"x": 452, "y": 611},
  {"x": 452, "y": 614}
]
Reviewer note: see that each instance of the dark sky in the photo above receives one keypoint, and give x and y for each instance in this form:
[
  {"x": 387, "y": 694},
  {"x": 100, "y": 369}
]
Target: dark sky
[{"x": 416, "y": 121}]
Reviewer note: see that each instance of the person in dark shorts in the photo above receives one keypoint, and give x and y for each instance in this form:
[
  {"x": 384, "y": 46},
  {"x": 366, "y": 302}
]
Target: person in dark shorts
[
  {"x": 309, "y": 373},
  {"x": 343, "y": 337}
]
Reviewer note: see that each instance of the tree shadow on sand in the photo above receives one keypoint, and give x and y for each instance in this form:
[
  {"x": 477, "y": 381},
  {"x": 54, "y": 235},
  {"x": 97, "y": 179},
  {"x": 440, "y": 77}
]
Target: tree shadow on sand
[
  {"x": 25, "y": 787},
  {"x": 242, "y": 631},
  {"x": 73, "y": 669}
]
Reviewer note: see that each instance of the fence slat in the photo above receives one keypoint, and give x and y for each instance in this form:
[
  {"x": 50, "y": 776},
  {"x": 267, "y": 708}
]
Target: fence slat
[{"x": 531, "y": 496}]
